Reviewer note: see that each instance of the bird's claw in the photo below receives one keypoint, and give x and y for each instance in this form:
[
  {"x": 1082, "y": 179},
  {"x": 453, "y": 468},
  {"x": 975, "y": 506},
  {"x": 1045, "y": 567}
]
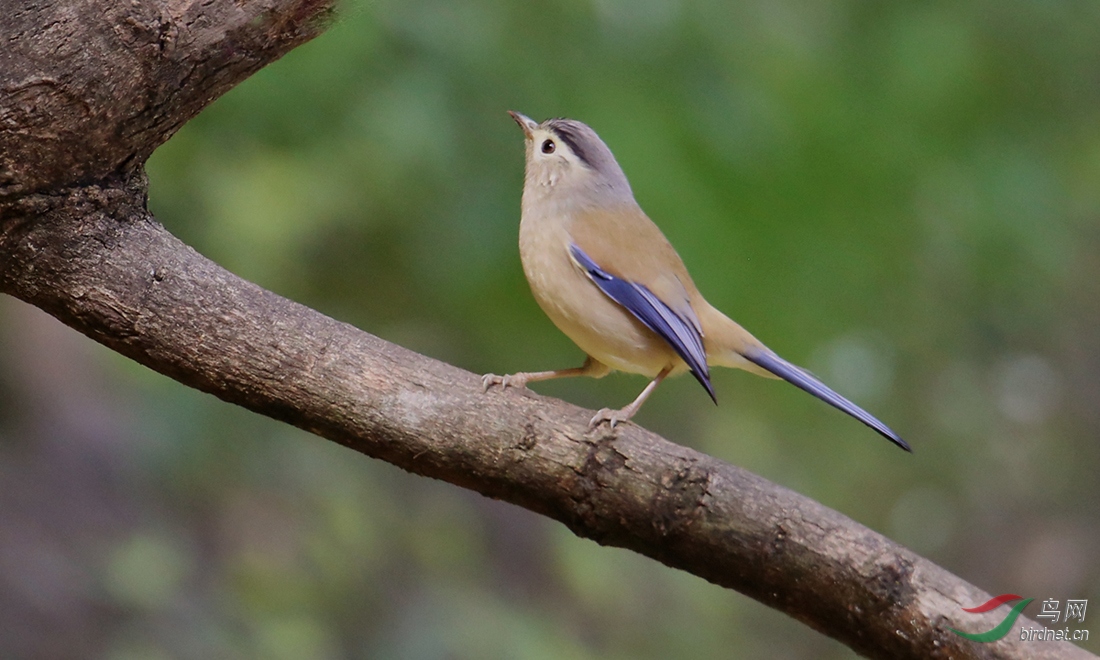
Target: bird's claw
[
  {"x": 511, "y": 380},
  {"x": 612, "y": 417}
]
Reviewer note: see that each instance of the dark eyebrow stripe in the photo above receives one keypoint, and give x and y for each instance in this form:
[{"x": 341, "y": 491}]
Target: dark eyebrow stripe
[{"x": 570, "y": 140}]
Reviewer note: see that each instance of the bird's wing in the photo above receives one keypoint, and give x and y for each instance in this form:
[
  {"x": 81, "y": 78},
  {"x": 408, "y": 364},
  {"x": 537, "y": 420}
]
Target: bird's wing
[
  {"x": 626, "y": 243},
  {"x": 679, "y": 328}
]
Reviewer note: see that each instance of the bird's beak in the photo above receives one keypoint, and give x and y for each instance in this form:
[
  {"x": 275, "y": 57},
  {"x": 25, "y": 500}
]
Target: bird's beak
[{"x": 525, "y": 122}]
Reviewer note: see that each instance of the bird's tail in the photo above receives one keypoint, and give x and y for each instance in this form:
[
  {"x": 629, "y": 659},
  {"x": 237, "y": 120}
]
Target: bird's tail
[
  {"x": 730, "y": 345},
  {"x": 726, "y": 342}
]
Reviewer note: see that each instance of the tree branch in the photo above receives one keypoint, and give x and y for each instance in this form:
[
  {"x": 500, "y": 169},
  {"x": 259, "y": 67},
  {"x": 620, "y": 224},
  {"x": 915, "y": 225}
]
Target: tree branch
[{"x": 77, "y": 240}]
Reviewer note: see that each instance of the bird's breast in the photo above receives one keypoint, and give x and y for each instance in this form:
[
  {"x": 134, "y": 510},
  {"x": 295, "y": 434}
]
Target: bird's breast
[{"x": 598, "y": 325}]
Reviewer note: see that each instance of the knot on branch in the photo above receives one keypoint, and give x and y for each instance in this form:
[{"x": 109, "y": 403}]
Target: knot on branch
[{"x": 681, "y": 498}]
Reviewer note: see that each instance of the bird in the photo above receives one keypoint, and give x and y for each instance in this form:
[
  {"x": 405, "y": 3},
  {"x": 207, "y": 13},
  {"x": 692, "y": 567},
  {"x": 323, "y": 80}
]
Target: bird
[{"x": 609, "y": 279}]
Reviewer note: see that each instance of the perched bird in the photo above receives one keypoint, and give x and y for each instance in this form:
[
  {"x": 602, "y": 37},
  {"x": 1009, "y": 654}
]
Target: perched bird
[{"x": 611, "y": 281}]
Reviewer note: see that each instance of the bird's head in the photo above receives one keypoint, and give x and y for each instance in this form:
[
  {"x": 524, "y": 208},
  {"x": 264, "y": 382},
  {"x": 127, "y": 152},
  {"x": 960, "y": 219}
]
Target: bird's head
[{"x": 566, "y": 160}]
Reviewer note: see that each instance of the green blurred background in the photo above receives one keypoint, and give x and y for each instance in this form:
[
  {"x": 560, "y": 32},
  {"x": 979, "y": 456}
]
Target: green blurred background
[{"x": 901, "y": 197}]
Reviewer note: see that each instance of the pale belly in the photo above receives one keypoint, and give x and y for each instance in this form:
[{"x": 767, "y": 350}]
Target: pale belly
[{"x": 598, "y": 325}]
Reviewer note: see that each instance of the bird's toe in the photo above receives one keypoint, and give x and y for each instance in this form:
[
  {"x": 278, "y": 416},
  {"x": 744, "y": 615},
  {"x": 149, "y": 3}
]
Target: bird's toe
[
  {"x": 612, "y": 417},
  {"x": 511, "y": 380}
]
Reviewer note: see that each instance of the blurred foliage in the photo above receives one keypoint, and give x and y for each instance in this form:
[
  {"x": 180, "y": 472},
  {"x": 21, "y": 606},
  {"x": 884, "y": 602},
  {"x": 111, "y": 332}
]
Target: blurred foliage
[{"x": 902, "y": 197}]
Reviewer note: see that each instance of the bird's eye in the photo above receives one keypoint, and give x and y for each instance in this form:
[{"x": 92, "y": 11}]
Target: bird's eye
[{"x": 548, "y": 147}]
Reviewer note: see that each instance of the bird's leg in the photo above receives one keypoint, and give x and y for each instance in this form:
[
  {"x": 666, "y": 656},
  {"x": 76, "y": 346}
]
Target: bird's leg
[
  {"x": 589, "y": 368},
  {"x": 613, "y": 417}
]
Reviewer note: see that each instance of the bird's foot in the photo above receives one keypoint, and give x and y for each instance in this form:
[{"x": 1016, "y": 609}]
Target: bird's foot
[
  {"x": 510, "y": 380},
  {"x": 612, "y": 417}
]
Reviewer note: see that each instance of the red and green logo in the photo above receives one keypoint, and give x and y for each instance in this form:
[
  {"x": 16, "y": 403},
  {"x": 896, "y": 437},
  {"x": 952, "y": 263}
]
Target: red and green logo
[{"x": 1003, "y": 627}]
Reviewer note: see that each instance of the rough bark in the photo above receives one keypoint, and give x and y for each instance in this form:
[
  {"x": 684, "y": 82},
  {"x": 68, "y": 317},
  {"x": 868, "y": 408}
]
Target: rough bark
[{"x": 88, "y": 89}]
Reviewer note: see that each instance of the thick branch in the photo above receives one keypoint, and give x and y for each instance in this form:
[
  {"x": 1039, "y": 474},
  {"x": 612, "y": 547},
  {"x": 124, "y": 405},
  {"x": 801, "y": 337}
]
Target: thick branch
[
  {"x": 97, "y": 260},
  {"x": 89, "y": 89}
]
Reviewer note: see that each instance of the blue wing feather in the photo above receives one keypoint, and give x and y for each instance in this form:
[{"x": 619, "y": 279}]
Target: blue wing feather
[{"x": 683, "y": 334}]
